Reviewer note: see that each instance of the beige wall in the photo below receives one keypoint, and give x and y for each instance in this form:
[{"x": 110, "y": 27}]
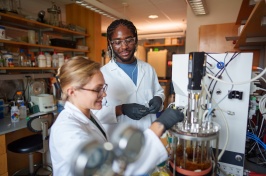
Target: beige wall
[{"x": 220, "y": 11}]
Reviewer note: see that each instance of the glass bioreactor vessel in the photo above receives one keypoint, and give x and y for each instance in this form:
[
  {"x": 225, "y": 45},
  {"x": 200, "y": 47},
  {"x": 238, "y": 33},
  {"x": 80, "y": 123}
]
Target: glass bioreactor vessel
[{"x": 194, "y": 142}]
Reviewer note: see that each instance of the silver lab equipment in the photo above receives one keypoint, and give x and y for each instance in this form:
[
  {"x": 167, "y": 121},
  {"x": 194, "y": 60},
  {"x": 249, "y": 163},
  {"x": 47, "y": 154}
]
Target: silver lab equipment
[
  {"x": 231, "y": 137},
  {"x": 95, "y": 158}
]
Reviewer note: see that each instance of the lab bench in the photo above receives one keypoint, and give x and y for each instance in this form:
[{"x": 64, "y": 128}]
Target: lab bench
[{"x": 6, "y": 126}]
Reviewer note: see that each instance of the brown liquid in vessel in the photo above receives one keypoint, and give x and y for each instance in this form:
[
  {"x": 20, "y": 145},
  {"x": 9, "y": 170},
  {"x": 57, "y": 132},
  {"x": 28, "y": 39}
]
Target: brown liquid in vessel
[{"x": 199, "y": 161}]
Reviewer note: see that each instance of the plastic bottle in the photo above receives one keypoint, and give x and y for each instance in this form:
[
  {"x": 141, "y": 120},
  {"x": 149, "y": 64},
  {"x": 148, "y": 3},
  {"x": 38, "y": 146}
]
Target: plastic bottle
[
  {"x": 19, "y": 99},
  {"x": 61, "y": 59},
  {"x": 48, "y": 59},
  {"x": 41, "y": 60},
  {"x": 55, "y": 59},
  {"x": 14, "y": 113},
  {"x": 22, "y": 58},
  {"x": 22, "y": 111}
]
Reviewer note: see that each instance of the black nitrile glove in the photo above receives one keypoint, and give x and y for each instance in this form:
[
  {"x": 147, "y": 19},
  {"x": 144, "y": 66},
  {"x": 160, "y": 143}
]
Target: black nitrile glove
[
  {"x": 170, "y": 117},
  {"x": 135, "y": 111},
  {"x": 155, "y": 104}
]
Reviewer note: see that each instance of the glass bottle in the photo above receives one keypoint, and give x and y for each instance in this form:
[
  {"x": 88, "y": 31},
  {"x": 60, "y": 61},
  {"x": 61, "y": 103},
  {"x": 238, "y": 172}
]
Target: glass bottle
[
  {"x": 19, "y": 100},
  {"x": 28, "y": 60},
  {"x": 22, "y": 58}
]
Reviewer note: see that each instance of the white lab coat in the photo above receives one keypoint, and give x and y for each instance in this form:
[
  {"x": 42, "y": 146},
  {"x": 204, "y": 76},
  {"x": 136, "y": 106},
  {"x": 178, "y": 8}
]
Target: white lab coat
[
  {"x": 72, "y": 128},
  {"x": 122, "y": 90}
]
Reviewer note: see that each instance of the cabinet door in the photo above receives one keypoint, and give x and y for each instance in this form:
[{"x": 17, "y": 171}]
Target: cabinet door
[
  {"x": 3, "y": 157},
  {"x": 3, "y": 164},
  {"x": 2, "y": 144},
  {"x": 212, "y": 40},
  {"x": 212, "y": 37}
]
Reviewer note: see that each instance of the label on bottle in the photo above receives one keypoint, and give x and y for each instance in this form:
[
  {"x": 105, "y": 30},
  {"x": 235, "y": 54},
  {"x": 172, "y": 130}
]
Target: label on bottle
[
  {"x": 41, "y": 61},
  {"x": 14, "y": 114},
  {"x": 20, "y": 102}
]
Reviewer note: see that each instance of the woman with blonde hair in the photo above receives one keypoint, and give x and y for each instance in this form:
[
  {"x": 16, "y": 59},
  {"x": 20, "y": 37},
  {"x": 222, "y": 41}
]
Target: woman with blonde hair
[{"x": 83, "y": 88}]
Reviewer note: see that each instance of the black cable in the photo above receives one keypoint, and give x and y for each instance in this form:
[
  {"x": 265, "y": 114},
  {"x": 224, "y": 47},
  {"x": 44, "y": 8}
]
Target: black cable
[
  {"x": 262, "y": 165},
  {"x": 257, "y": 156},
  {"x": 212, "y": 57},
  {"x": 209, "y": 63},
  {"x": 210, "y": 70},
  {"x": 222, "y": 71}
]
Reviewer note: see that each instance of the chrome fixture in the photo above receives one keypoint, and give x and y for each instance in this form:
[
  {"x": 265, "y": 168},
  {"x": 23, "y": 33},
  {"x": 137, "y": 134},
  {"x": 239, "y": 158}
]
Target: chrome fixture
[{"x": 199, "y": 7}]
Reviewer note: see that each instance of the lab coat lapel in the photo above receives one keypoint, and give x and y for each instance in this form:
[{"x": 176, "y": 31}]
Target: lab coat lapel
[
  {"x": 141, "y": 74},
  {"x": 123, "y": 76},
  {"x": 98, "y": 130},
  {"x": 76, "y": 113}
]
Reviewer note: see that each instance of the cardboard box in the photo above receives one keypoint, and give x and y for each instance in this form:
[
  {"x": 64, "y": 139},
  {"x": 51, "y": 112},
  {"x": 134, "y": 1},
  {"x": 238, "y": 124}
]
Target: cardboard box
[
  {"x": 167, "y": 41},
  {"x": 174, "y": 41}
]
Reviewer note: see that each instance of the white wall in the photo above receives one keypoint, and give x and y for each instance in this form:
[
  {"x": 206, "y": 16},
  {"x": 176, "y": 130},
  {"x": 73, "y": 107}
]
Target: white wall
[{"x": 220, "y": 11}]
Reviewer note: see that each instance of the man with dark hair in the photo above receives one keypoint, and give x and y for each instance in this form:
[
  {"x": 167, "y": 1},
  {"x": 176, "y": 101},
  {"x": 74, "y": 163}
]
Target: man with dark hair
[{"x": 134, "y": 95}]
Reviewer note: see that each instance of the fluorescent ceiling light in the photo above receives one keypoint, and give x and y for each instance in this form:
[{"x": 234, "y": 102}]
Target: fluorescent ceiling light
[
  {"x": 153, "y": 16},
  {"x": 100, "y": 8},
  {"x": 161, "y": 35},
  {"x": 199, "y": 7}
]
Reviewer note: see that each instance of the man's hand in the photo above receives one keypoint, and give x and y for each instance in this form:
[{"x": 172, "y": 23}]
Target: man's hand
[
  {"x": 135, "y": 111},
  {"x": 155, "y": 104}
]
